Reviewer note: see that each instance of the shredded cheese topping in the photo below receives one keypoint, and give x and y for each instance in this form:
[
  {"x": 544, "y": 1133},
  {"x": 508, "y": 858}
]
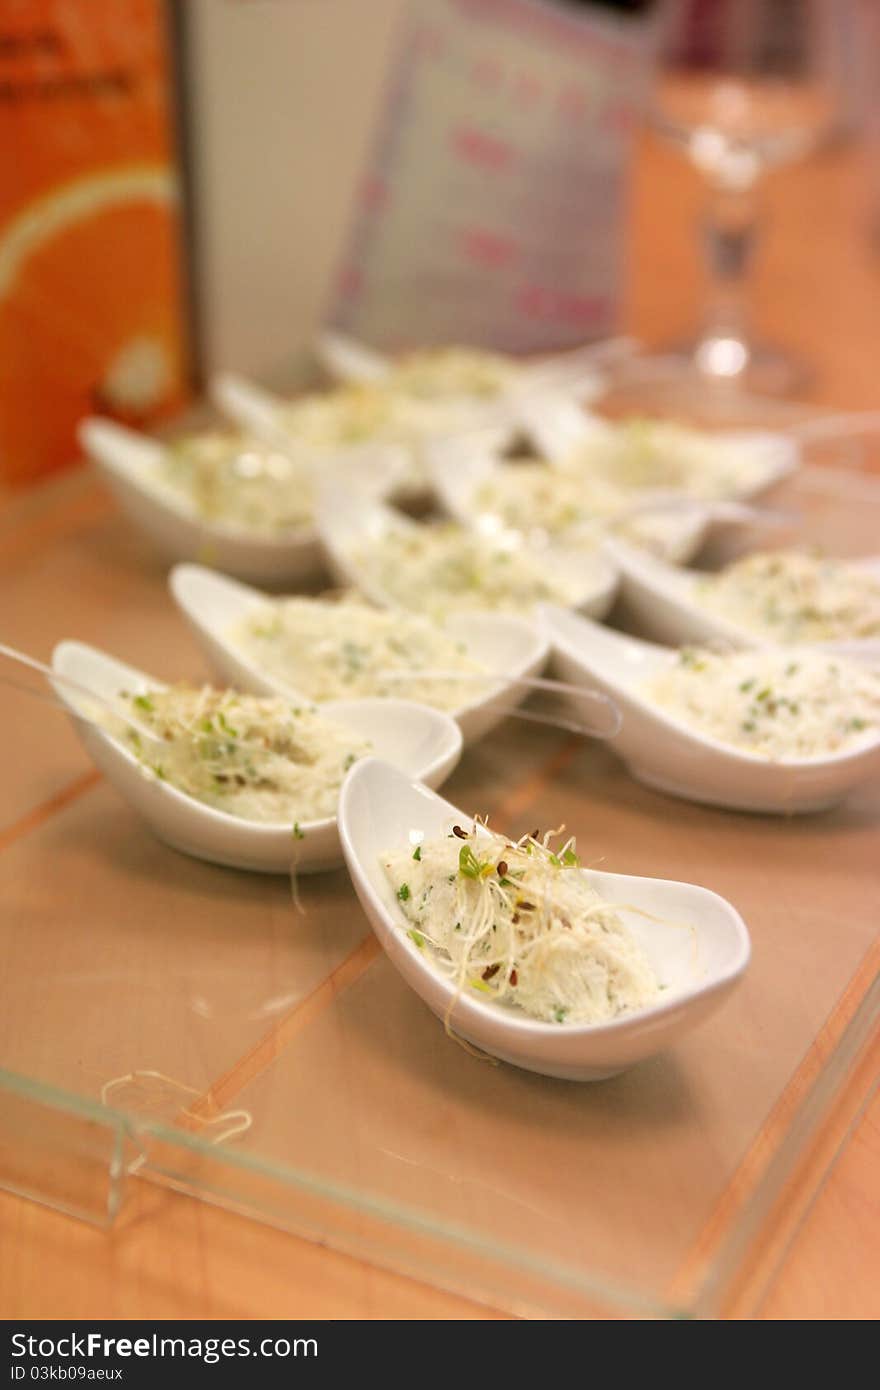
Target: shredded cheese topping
[
  {"x": 777, "y": 704},
  {"x": 535, "y": 496},
  {"x": 436, "y": 373},
  {"x": 234, "y": 478},
  {"x": 254, "y": 757},
  {"x": 795, "y": 596},
  {"x": 379, "y": 414},
  {"x": 640, "y": 454},
  {"x": 339, "y": 650},
  {"x": 441, "y": 568},
  {"x": 521, "y": 925}
]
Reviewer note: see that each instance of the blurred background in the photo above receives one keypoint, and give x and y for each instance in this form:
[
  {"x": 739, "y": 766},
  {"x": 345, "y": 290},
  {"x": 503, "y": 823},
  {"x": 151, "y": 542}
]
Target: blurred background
[{"x": 190, "y": 187}]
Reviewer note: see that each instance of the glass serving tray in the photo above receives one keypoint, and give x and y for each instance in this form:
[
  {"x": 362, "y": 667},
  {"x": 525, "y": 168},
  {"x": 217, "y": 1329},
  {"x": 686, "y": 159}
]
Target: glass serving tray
[{"x": 197, "y": 1000}]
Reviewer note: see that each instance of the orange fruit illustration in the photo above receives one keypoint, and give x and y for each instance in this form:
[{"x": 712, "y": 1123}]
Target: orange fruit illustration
[
  {"x": 89, "y": 313},
  {"x": 90, "y": 316}
]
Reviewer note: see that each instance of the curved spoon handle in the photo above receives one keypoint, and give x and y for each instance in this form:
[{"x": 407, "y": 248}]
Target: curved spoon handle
[
  {"x": 119, "y": 714},
  {"x": 22, "y": 658},
  {"x": 606, "y": 724},
  {"x": 721, "y": 510}
]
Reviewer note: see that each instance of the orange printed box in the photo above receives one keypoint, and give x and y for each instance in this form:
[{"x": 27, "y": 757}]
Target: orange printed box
[{"x": 91, "y": 282}]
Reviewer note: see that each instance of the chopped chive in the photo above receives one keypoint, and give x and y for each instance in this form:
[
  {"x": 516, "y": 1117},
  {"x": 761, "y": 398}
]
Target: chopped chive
[{"x": 469, "y": 866}]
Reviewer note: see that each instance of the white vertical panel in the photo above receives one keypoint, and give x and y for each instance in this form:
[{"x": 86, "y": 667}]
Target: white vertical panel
[{"x": 283, "y": 95}]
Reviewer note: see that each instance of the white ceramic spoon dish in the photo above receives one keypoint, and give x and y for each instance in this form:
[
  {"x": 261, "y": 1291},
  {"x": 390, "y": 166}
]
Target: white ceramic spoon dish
[
  {"x": 460, "y": 469},
  {"x": 255, "y": 408},
  {"x": 348, "y": 524},
  {"x": 422, "y": 742},
  {"x": 663, "y": 603},
  {"x": 131, "y": 463},
  {"x": 667, "y": 753},
  {"x": 380, "y": 810},
  {"x": 559, "y": 426},
  {"x": 214, "y": 605},
  {"x": 348, "y": 361}
]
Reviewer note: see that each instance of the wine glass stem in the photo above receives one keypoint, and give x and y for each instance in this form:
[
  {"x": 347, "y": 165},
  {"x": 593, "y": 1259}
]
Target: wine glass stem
[{"x": 729, "y": 237}]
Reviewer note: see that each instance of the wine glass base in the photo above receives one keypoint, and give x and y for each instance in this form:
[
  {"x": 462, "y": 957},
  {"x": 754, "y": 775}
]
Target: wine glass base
[{"x": 731, "y": 363}]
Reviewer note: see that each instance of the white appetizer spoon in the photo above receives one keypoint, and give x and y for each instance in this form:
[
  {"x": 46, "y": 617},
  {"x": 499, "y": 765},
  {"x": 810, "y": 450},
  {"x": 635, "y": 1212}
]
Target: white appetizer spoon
[
  {"x": 662, "y": 601},
  {"x": 461, "y": 469},
  {"x": 350, "y": 525},
  {"x": 559, "y": 427},
  {"x": 132, "y": 465},
  {"x": 577, "y": 369},
  {"x": 666, "y": 752},
  {"x": 216, "y": 607},
  {"x": 423, "y": 742},
  {"x": 696, "y": 942}
]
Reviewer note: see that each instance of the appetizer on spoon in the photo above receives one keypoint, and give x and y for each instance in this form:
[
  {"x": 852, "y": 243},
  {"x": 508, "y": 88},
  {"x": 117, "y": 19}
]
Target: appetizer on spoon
[
  {"x": 442, "y": 569},
  {"x": 518, "y": 949},
  {"x": 658, "y": 456},
  {"x": 354, "y": 422},
  {"x": 238, "y": 780},
  {"x": 487, "y": 493},
  {"x": 768, "y": 729},
  {"x": 443, "y": 372},
  {"x": 774, "y": 596},
  {"x": 318, "y": 649},
  {"x": 243, "y": 505}
]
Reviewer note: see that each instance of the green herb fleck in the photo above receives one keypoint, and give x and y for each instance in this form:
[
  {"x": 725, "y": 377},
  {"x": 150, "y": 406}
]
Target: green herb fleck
[
  {"x": 297, "y": 832},
  {"x": 403, "y": 892},
  {"x": 688, "y": 656},
  {"x": 417, "y": 852},
  {"x": 468, "y": 863},
  {"x": 416, "y": 937},
  {"x": 144, "y": 702}
]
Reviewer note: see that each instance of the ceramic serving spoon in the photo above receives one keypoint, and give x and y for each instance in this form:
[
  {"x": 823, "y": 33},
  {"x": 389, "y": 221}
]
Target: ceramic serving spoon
[
  {"x": 696, "y": 942},
  {"x": 131, "y": 464},
  {"x": 421, "y": 741},
  {"x": 664, "y": 751},
  {"x": 507, "y": 645}
]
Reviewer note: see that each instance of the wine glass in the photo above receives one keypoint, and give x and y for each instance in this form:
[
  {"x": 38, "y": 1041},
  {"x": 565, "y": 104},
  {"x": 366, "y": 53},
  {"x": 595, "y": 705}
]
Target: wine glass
[{"x": 742, "y": 87}]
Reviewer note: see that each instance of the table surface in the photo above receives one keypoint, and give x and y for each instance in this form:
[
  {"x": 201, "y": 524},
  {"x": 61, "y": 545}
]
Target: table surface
[{"x": 173, "y": 1257}]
